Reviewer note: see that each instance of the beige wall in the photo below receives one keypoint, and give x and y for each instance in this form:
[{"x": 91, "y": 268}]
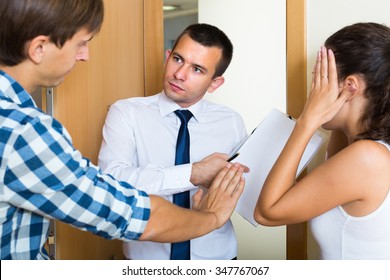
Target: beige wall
[{"x": 255, "y": 82}]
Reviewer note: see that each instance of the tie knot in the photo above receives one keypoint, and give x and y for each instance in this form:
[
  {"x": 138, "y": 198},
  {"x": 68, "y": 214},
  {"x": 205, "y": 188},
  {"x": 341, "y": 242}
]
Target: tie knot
[{"x": 184, "y": 115}]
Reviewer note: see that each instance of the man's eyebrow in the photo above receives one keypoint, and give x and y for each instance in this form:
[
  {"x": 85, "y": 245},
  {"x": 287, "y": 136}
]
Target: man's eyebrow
[{"x": 177, "y": 54}]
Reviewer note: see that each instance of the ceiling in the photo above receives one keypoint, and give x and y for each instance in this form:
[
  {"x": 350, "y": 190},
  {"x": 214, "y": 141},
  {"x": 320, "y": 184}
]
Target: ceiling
[{"x": 185, "y": 7}]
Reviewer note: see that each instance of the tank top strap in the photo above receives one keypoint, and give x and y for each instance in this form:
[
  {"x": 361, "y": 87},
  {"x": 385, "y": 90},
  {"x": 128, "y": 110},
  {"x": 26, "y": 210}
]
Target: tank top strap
[{"x": 384, "y": 143}]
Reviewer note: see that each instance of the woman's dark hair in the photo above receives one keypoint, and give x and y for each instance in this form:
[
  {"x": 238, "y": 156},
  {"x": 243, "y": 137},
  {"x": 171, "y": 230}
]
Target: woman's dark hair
[
  {"x": 364, "y": 49},
  {"x": 23, "y": 20}
]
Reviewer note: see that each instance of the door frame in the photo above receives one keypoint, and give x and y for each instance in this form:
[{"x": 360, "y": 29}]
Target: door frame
[{"x": 296, "y": 97}]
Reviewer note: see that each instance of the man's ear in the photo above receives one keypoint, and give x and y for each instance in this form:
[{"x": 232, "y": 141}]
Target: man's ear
[
  {"x": 36, "y": 48},
  {"x": 215, "y": 83},
  {"x": 167, "y": 54}
]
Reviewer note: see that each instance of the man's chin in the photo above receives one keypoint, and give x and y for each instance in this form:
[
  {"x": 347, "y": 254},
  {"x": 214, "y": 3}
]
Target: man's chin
[{"x": 55, "y": 83}]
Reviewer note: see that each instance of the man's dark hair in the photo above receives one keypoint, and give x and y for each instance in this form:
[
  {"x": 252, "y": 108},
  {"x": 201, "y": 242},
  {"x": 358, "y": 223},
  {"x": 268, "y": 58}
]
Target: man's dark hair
[
  {"x": 23, "y": 20},
  {"x": 210, "y": 36}
]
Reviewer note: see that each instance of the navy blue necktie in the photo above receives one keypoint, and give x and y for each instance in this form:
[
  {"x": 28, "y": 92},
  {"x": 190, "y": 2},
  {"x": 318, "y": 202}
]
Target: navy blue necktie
[{"x": 181, "y": 250}]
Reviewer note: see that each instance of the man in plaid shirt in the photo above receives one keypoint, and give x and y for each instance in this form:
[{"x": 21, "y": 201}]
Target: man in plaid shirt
[{"x": 42, "y": 176}]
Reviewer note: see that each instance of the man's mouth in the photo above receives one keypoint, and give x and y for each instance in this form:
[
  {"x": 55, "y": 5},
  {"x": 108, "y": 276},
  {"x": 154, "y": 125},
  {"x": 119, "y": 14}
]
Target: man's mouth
[{"x": 175, "y": 87}]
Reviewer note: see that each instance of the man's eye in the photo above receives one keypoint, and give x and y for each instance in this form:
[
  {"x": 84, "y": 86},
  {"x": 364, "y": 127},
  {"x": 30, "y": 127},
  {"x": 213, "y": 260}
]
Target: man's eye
[{"x": 198, "y": 70}]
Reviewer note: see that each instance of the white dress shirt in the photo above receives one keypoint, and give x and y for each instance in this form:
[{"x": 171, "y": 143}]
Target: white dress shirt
[{"x": 139, "y": 142}]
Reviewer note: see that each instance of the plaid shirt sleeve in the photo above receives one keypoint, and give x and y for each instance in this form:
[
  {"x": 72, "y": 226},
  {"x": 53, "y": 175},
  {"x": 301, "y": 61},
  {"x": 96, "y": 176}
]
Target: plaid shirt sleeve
[{"x": 43, "y": 177}]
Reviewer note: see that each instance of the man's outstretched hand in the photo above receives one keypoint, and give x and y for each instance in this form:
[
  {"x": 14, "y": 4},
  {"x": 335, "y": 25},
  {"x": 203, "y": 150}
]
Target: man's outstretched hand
[{"x": 223, "y": 194}]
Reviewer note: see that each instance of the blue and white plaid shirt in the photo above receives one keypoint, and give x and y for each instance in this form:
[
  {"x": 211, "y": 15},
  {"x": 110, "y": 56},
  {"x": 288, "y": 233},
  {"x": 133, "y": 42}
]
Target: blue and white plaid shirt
[{"x": 43, "y": 177}]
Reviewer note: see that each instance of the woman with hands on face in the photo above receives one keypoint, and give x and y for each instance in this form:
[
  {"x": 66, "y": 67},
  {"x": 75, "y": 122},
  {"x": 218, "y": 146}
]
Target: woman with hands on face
[{"x": 347, "y": 197}]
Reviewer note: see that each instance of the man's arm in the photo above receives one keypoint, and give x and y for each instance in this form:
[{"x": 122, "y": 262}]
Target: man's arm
[
  {"x": 120, "y": 155},
  {"x": 203, "y": 172},
  {"x": 169, "y": 223}
]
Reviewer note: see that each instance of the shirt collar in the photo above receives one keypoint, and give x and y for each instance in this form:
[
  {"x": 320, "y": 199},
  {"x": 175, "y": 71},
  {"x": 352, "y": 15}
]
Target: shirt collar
[
  {"x": 11, "y": 89},
  {"x": 167, "y": 107}
]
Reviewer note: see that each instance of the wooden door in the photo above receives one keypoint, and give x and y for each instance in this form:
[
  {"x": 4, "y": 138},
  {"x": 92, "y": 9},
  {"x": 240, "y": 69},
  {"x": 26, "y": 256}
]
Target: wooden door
[
  {"x": 296, "y": 98},
  {"x": 126, "y": 60}
]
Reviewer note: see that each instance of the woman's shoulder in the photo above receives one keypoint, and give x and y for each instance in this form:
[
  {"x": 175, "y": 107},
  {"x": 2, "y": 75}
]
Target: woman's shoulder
[
  {"x": 362, "y": 157},
  {"x": 361, "y": 169},
  {"x": 370, "y": 147},
  {"x": 371, "y": 156}
]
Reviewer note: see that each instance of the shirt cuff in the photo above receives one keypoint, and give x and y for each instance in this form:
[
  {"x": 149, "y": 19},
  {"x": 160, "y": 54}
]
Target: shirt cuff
[{"x": 178, "y": 178}]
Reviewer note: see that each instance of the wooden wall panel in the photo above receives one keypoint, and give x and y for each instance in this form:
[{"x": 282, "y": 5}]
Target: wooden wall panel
[
  {"x": 154, "y": 46},
  {"x": 296, "y": 98}
]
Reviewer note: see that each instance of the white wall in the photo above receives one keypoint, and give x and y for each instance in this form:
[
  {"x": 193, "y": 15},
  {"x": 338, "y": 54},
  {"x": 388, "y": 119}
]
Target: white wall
[
  {"x": 173, "y": 26},
  {"x": 326, "y": 17},
  {"x": 255, "y": 82}
]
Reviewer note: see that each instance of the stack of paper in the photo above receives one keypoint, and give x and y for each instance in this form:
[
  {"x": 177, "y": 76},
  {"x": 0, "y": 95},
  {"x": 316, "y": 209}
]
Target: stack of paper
[{"x": 260, "y": 151}]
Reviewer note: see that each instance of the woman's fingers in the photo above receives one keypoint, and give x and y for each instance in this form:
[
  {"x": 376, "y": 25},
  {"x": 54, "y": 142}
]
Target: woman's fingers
[
  {"x": 332, "y": 66},
  {"x": 316, "y": 71},
  {"x": 324, "y": 74}
]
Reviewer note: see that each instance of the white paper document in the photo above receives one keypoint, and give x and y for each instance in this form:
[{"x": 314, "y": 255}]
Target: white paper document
[{"x": 260, "y": 151}]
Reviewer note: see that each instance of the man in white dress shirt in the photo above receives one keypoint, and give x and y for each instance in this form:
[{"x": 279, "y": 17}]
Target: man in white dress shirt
[{"x": 139, "y": 136}]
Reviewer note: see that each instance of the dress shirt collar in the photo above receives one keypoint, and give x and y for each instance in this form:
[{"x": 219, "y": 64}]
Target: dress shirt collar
[{"x": 167, "y": 107}]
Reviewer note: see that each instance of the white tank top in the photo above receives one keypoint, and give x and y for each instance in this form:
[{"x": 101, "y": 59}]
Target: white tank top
[{"x": 341, "y": 236}]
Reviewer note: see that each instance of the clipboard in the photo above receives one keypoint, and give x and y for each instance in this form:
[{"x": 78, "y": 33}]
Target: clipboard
[{"x": 260, "y": 150}]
